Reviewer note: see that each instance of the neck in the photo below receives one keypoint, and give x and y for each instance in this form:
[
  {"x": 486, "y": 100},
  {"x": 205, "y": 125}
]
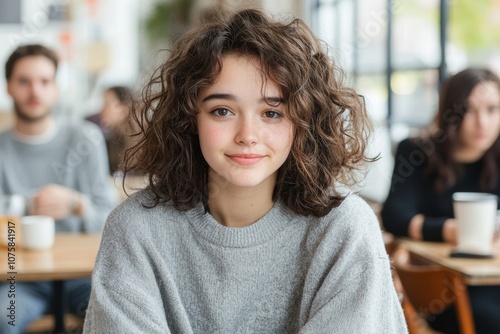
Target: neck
[
  {"x": 238, "y": 206},
  {"x": 468, "y": 155},
  {"x": 37, "y": 128}
]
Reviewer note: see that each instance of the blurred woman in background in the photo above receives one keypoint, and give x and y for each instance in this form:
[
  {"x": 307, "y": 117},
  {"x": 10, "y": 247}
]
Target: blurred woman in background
[
  {"x": 113, "y": 121},
  {"x": 462, "y": 153}
]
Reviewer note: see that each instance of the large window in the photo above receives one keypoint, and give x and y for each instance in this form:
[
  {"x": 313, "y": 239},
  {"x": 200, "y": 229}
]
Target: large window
[
  {"x": 397, "y": 52},
  {"x": 474, "y": 34}
]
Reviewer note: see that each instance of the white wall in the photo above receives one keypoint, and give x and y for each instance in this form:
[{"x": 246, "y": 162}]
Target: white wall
[
  {"x": 116, "y": 27},
  {"x": 292, "y": 7}
]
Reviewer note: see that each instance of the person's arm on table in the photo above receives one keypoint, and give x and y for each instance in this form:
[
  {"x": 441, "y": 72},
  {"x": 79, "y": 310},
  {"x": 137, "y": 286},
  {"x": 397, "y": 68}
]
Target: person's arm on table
[
  {"x": 449, "y": 233},
  {"x": 57, "y": 201},
  {"x": 400, "y": 214},
  {"x": 93, "y": 197}
]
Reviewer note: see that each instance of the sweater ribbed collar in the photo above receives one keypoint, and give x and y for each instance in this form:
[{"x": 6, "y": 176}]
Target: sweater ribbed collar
[
  {"x": 264, "y": 229},
  {"x": 42, "y": 139}
]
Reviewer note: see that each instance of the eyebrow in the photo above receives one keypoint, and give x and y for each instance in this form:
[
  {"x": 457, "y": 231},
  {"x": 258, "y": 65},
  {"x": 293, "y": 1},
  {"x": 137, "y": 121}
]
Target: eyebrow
[
  {"x": 272, "y": 100},
  {"x": 216, "y": 96},
  {"x": 26, "y": 77}
]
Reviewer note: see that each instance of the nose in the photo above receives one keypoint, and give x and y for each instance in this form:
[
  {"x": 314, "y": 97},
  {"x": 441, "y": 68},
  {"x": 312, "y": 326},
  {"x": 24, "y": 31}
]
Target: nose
[
  {"x": 482, "y": 119},
  {"x": 36, "y": 89},
  {"x": 247, "y": 132}
]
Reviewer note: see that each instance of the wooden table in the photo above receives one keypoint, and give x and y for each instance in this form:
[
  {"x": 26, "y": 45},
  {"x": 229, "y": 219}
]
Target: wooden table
[
  {"x": 474, "y": 271},
  {"x": 72, "y": 256}
]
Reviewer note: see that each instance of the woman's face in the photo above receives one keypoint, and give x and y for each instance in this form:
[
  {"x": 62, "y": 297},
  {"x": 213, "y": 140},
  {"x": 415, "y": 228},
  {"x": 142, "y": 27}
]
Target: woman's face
[
  {"x": 113, "y": 111},
  {"x": 481, "y": 124},
  {"x": 243, "y": 139}
]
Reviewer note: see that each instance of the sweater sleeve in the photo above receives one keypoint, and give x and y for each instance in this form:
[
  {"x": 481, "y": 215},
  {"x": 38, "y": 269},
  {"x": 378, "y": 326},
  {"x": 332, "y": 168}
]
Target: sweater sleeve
[
  {"x": 366, "y": 305},
  {"x": 122, "y": 309},
  {"x": 355, "y": 293},
  {"x": 402, "y": 203},
  {"x": 125, "y": 295}
]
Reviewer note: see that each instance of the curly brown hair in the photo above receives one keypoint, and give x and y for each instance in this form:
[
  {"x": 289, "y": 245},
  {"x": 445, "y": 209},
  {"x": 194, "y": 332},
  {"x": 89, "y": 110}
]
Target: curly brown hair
[
  {"x": 453, "y": 105},
  {"x": 330, "y": 120}
]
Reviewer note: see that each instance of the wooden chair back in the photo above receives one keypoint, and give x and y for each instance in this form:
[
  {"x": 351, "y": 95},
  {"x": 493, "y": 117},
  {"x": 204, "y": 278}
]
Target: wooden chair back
[
  {"x": 46, "y": 324},
  {"x": 431, "y": 289}
]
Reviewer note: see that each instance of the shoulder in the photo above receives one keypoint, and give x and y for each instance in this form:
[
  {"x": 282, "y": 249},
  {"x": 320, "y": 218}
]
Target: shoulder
[
  {"x": 136, "y": 212},
  {"x": 5, "y": 134},
  {"x": 5, "y": 140},
  {"x": 352, "y": 224},
  {"x": 134, "y": 207},
  {"x": 416, "y": 148},
  {"x": 352, "y": 216},
  {"x": 82, "y": 130},
  {"x": 87, "y": 126},
  {"x": 94, "y": 118},
  {"x": 413, "y": 155},
  {"x": 347, "y": 241},
  {"x": 407, "y": 146}
]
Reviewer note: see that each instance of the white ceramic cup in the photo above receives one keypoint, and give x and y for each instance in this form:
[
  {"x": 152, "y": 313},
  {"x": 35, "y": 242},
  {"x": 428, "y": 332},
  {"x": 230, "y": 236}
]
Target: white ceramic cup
[
  {"x": 476, "y": 216},
  {"x": 38, "y": 232},
  {"x": 11, "y": 208},
  {"x": 12, "y": 205}
]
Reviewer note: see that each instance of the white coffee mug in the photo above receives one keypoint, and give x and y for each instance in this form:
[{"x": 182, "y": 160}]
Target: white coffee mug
[
  {"x": 476, "y": 217},
  {"x": 38, "y": 232}
]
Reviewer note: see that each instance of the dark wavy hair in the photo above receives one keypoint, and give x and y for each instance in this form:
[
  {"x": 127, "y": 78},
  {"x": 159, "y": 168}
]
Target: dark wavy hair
[
  {"x": 453, "y": 105},
  {"x": 123, "y": 93},
  {"x": 330, "y": 121}
]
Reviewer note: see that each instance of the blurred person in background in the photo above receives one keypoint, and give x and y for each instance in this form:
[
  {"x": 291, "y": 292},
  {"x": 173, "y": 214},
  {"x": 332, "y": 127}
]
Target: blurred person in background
[
  {"x": 59, "y": 167},
  {"x": 113, "y": 121},
  {"x": 461, "y": 154}
]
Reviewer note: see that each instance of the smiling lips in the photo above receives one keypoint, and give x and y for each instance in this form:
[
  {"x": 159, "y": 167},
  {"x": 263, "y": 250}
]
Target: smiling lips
[
  {"x": 246, "y": 159},
  {"x": 33, "y": 103},
  {"x": 481, "y": 136}
]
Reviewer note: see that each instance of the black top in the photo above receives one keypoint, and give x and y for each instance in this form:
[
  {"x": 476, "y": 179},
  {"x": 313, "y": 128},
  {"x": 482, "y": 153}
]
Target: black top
[{"x": 412, "y": 192}]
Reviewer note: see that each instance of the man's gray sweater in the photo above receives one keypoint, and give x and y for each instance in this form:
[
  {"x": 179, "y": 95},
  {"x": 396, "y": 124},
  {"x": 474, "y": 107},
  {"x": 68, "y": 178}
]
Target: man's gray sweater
[{"x": 74, "y": 156}]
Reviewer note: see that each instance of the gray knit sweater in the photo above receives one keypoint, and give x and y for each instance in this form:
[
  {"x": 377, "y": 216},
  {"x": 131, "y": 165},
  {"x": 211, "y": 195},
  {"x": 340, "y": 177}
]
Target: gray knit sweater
[
  {"x": 164, "y": 271},
  {"x": 73, "y": 156}
]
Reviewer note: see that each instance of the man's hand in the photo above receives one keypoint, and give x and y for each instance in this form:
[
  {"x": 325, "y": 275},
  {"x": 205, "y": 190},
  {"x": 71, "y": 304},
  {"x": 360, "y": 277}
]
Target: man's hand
[{"x": 57, "y": 202}]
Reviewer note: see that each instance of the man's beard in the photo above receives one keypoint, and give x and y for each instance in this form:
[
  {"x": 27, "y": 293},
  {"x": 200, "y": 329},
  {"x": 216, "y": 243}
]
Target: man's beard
[{"x": 27, "y": 118}]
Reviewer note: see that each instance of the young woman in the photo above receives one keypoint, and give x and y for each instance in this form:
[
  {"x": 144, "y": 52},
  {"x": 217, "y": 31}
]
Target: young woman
[
  {"x": 246, "y": 225},
  {"x": 113, "y": 120},
  {"x": 461, "y": 154}
]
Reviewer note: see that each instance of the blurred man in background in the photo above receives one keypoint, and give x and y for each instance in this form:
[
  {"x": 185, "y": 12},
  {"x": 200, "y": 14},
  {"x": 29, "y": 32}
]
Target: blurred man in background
[{"x": 61, "y": 169}]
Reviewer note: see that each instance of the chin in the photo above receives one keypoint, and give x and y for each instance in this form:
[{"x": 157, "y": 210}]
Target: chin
[
  {"x": 246, "y": 182},
  {"x": 241, "y": 178},
  {"x": 32, "y": 116},
  {"x": 483, "y": 146}
]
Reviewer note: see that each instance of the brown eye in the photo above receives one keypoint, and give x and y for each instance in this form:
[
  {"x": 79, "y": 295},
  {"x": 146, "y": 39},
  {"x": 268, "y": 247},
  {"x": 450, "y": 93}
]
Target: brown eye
[
  {"x": 272, "y": 114},
  {"x": 221, "y": 112},
  {"x": 493, "y": 109}
]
